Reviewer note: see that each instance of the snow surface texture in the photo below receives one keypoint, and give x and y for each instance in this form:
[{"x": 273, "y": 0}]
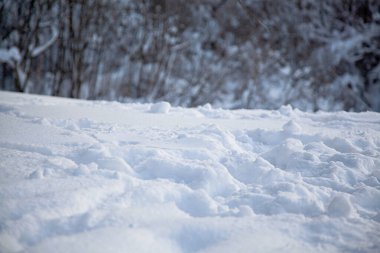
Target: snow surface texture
[{"x": 78, "y": 176}]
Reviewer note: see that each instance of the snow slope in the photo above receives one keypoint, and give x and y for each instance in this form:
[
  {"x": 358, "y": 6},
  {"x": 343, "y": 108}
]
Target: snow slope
[{"x": 79, "y": 176}]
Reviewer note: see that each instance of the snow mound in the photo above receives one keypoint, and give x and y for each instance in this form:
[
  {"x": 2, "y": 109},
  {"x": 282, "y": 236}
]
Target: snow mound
[
  {"x": 78, "y": 176},
  {"x": 340, "y": 206},
  {"x": 161, "y": 107},
  {"x": 292, "y": 127}
]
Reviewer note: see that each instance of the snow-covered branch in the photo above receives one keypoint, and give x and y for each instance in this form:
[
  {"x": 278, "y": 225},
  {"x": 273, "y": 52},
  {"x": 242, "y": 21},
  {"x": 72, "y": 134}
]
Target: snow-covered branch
[
  {"x": 10, "y": 56},
  {"x": 38, "y": 50}
]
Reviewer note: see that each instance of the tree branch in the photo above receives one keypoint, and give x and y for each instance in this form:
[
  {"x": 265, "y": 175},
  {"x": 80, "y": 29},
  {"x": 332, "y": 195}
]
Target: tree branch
[{"x": 40, "y": 49}]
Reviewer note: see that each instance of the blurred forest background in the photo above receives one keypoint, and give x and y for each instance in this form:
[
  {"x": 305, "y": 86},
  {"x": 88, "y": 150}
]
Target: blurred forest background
[{"x": 312, "y": 54}]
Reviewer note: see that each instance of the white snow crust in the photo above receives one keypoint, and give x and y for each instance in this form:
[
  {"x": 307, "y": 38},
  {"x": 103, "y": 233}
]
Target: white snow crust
[{"x": 80, "y": 176}]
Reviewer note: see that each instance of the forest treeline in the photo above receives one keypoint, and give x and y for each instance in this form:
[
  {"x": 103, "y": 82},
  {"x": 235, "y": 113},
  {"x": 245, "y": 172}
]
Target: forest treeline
[{"x": 311, "y": 54}]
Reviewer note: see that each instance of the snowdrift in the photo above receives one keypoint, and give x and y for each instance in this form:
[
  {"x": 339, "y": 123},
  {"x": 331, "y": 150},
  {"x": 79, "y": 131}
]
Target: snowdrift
[{"x": 79, "y": 176}]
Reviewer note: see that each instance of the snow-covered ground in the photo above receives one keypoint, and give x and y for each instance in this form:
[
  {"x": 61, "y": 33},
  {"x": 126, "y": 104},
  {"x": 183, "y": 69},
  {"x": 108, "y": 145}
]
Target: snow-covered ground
[{"x": 79, "y": 176}]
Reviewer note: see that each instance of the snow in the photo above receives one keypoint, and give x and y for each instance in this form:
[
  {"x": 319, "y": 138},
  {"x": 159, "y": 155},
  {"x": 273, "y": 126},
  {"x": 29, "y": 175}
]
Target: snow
[
  {"x": 160, "y": 107},
  {"x": 10, "y": 56},
  {"x": 41, "y": 48},
  {"x": 80, "y": 176}
]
